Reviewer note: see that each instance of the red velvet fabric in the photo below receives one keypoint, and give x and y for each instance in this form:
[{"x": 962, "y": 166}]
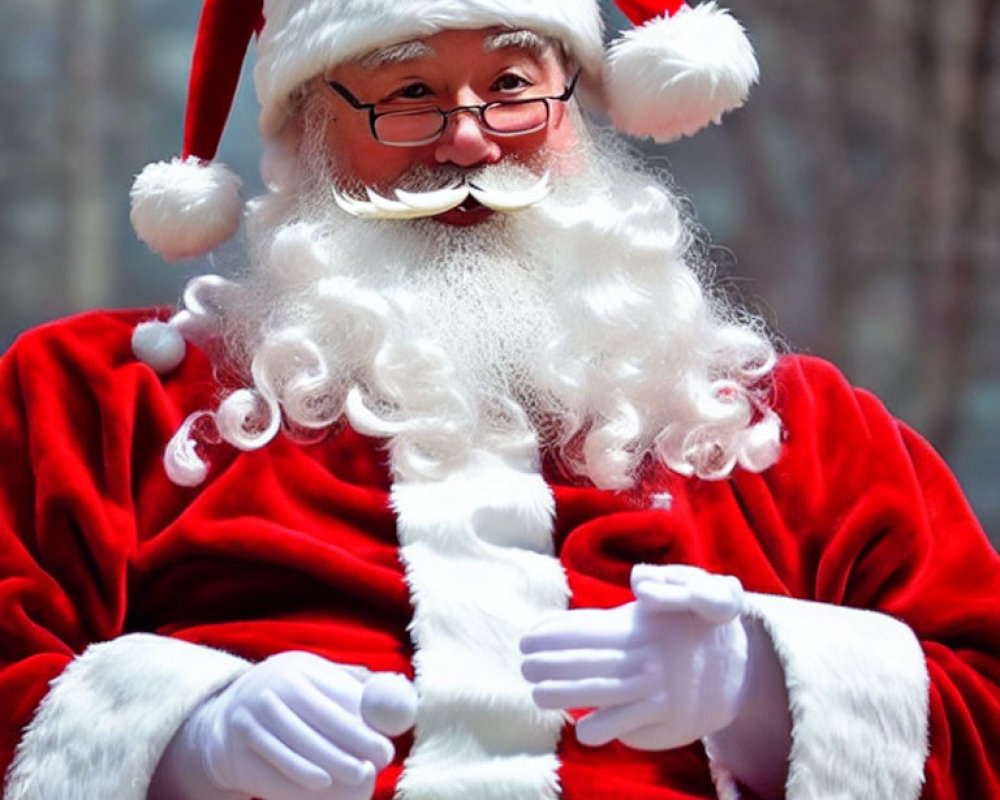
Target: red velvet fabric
[
  {"x": 641, "y": 11},
  {"x": 294, "y": 547},
  {"x": 224, "y": 31}
]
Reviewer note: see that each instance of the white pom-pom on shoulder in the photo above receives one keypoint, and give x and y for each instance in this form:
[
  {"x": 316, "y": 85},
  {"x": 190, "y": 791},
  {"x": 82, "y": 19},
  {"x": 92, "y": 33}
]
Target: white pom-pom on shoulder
[
  {"x": 158, "y": 344},
  {"x": 185, "y": 207},
  {"x": 675, "y": 75}
]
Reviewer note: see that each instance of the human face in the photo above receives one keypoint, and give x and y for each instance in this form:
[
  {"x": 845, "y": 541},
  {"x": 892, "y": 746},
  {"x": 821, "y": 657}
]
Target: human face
[{"x": 449, "y": 69}]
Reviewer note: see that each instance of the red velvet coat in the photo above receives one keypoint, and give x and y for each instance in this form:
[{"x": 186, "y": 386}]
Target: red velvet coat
[{"x": 294, "y": 547}]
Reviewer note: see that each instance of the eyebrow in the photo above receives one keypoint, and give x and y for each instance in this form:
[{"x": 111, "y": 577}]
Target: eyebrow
[
  {"x": 398, "y": 53},
  {"x": 401, "y": 52},
  {"x": 534, "y": 43}
]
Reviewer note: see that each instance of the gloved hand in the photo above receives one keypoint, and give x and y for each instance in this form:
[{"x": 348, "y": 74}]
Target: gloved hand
[
  {"x": 288, "y": 729},
  {"x": 660, "y": 673}
]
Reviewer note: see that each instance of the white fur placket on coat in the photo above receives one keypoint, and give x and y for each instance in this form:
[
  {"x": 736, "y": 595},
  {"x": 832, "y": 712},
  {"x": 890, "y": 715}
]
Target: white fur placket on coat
[{"x": 478, "y": 552}]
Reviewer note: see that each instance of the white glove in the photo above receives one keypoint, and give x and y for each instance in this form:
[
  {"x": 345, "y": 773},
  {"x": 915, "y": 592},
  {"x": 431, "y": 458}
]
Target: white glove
[
  {"x": 288, "y": 729},
  {"x": 661, "y": 672}
]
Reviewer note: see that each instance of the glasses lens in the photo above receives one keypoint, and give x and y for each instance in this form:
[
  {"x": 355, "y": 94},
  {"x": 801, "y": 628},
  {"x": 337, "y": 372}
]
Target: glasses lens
[
  {"x": 408, "y": 126},
  {"x": 516, "y": 117}
]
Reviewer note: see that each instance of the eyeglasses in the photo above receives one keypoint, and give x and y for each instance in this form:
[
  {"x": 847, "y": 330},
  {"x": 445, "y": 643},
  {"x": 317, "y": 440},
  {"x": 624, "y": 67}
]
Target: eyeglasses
[{"x": 425, "y": 125}]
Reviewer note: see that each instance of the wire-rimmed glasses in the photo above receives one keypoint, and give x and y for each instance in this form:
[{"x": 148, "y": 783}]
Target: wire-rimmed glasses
[{"x": 417, "y": 127}]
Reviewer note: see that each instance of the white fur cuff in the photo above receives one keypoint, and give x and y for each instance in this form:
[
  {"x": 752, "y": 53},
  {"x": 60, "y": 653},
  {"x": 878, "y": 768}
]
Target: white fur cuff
[
  {"x": 858, "y": 691},
  {"x": 101, "y": 729}
]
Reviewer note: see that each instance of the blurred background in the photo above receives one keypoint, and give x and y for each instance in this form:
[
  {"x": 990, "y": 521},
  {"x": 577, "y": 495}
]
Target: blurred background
[{"x": 855, "y": 201}]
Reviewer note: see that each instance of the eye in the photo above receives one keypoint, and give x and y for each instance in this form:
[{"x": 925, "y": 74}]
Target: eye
[
  {"x": 510, "y": 82},
  {"x": 412, "y": 91}
]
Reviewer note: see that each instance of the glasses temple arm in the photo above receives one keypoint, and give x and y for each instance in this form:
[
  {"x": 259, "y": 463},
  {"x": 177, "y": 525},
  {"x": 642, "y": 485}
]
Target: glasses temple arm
[{"x": 350, "y": 98}]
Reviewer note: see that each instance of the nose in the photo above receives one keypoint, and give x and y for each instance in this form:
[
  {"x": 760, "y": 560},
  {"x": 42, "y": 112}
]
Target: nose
[{"x": 463, "y": 142}]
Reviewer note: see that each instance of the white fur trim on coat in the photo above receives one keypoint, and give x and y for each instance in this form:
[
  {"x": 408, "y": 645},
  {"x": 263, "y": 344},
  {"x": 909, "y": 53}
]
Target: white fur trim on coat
[
  {"x": 103, "y": 726},
  {"x": 477, "y": 548},
  {"x": 184, "y": 208},
  {"x": 303, "y": 38},
  {"x": 675, "y": 75},
  {"x": 858, "y": 690}
]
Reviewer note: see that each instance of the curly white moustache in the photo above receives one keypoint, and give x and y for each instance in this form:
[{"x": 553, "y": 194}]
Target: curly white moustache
[{"x": 418, "y": 205}]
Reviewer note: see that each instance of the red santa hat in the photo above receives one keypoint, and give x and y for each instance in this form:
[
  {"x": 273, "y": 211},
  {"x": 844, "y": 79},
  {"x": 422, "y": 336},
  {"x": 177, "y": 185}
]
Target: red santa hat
[{"x": 680, "y": 69}]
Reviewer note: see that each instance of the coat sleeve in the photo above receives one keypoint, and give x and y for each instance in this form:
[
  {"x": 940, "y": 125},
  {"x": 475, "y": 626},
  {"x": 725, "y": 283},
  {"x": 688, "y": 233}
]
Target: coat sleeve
[
  {"x": 76, "y": 686},
  {"x": 888, "y": 627}
]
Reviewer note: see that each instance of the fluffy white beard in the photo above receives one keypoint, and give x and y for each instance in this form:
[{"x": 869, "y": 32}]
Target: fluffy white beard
[
  {"x": 468, "y": 317},
  {"x": 577, "y": 325},
  {"x": 486, "y": 304}
]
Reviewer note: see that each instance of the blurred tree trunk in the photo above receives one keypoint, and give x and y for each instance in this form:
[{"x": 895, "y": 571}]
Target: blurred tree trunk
[
  {"x": 830, "y": 120},
  {"x": 953, "y": 59},
  {"x": 28, "y": 173},
  {"x": 124, "y": 139},
  {"x": 87, "y": 233}
]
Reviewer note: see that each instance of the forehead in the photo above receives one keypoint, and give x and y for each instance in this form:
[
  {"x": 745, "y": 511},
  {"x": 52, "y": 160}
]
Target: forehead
[{"x": 491, "y": 40}]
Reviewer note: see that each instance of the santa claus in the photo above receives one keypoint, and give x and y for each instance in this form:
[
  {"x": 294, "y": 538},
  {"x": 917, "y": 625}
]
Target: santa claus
[{"x": 468, "y": 484}]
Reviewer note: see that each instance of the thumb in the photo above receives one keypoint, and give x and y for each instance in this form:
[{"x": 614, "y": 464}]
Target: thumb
[
  {"x": 389, "y": 703},
  {"x": 714, "y": 598}
]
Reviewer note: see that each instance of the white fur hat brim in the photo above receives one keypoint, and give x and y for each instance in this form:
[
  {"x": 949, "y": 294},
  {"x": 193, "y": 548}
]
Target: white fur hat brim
[{"x": 303, "y": 38}]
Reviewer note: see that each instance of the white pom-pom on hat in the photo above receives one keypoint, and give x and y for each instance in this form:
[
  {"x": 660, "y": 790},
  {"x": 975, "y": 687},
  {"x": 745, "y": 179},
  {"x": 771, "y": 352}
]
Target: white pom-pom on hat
[
  {"x": 184, "y": 208},
  {"x": 188, "y": 206},
  {"x": 673, "y": 75}
]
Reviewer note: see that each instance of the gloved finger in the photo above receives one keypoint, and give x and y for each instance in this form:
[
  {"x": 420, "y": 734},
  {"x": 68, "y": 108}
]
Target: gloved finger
[
  {"x": 663, "y": 736},
  {"x": 333, "y": 681},
  {"x": 260, "y": 779},
  {"x": 311, "y": 749},
  {"x": 343, "y": 728},
  {"x": 607, "y": 724},
  {"x": 714, "y": 598},
  {"x": 594, "y": 692},
  {"x": 294, "y": 768},
  {"x": 553, "y": 665},
  {"x": 583, "y": 629}
]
